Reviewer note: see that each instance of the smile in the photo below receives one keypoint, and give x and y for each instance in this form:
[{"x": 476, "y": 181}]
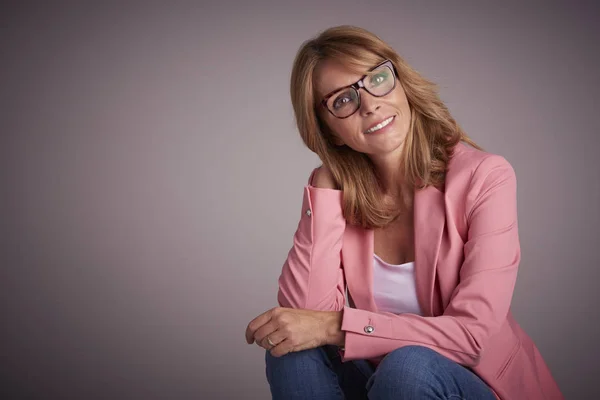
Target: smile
[{"x": 380, "y": 125}]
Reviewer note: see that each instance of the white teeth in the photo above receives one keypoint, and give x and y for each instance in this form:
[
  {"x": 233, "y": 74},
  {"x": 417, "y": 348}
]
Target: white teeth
[{"x": 380, "y": 125}]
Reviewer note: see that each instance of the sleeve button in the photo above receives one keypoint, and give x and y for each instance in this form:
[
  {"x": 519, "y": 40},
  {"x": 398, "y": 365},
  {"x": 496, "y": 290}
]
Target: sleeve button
[
  {"x": 308, "y": 212},
  {"x": 369, "y": 329}
]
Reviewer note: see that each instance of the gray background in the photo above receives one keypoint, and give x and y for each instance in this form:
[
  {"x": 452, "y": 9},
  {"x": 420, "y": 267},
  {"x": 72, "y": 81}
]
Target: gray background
[{"x": 152, "y": 179}]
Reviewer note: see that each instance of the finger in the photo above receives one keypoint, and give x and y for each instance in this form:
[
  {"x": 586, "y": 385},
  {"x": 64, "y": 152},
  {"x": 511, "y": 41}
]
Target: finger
[
  {"x": 288, "y": 346},
  {"x": 272, "y": 340},
  {"x": 255, "y": 324},
  {"x": 266, "y": 343},
  {"x": 276, "y": 338},
  {"x": 264, "y": 331},
  {"x": 282, "y": 349}
]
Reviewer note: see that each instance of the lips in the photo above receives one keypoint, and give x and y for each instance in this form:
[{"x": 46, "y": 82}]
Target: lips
[{"x": 380, "y": 125}]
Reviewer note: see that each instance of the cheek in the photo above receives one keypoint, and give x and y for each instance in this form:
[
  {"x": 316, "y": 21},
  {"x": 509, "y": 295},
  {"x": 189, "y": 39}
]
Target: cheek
[
  {"x": 344, "y": 129},
  {"x": 337, "y": 126},
  {"x": 349, "y": 127},
  {"x": 400, "y": 99}
]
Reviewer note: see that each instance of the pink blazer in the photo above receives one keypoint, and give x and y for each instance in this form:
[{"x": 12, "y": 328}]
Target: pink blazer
[{"x": 467, "y": 254}]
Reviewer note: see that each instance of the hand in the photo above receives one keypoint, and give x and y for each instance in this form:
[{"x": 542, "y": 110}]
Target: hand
[
  {"x": 291, "y": 329},
  {"x": 323, "y": 178}
]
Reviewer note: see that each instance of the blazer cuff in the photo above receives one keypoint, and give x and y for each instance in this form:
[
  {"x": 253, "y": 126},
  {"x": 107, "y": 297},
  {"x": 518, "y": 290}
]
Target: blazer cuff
[
  {"x": 366, "y": 323},
  {"x": 359, "y": 325}
]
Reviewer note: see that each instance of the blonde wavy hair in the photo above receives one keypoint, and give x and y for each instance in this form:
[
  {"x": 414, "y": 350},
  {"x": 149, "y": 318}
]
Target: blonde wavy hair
[{"x": 429, "y": 143}]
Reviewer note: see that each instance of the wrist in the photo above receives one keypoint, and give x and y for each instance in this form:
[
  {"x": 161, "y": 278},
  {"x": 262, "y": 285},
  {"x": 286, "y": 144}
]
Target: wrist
[{"x": 334, "y": 333}]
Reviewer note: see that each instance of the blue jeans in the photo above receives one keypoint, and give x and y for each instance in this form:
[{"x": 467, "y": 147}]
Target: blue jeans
[{"x": 410, "y": 372}]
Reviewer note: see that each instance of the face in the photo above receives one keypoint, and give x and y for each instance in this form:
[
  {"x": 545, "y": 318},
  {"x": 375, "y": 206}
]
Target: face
[{"x": 363, "y": 131}]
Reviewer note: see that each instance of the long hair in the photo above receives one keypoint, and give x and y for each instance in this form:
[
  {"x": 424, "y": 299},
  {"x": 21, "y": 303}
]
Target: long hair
[{"x": 429, "y": 143}]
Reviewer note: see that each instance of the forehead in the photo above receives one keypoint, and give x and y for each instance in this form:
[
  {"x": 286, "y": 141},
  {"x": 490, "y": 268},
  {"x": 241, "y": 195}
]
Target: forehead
[{"x": 330, "y": 75}]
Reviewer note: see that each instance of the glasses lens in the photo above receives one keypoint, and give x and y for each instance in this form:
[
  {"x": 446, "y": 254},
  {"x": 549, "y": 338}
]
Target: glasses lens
[
  {"x": 380, "y": 82},
  {"x": 344, "y": 103}
]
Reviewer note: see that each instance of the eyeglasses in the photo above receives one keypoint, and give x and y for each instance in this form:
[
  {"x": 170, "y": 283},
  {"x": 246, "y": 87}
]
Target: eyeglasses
[{"x": 345, "y": 101}]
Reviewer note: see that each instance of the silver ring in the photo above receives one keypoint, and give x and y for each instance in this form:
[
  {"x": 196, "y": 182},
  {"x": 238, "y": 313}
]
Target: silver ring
[{"x": 270, "y": 343}]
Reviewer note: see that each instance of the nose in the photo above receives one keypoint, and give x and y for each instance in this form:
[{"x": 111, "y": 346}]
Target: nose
[{"x": 368, "y": 103}]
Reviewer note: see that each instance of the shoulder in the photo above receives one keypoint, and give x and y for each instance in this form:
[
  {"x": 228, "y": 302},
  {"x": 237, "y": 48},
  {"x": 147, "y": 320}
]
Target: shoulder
[
  {"x": 469, "y": 165},
  {"x": 321, "y": 177},
  {"x": 474, "y": 175}
]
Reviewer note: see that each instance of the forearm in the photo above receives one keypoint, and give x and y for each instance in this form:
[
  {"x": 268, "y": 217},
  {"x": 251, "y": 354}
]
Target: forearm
[{"x": 456, "y": 338}]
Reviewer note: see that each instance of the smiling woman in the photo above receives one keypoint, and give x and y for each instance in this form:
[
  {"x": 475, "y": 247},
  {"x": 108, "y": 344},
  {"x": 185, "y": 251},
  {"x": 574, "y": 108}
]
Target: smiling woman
[{"x": 403, "y": 265}]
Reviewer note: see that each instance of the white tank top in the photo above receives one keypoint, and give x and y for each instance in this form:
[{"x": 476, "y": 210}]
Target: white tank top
[{"x": 394, "y": 287}]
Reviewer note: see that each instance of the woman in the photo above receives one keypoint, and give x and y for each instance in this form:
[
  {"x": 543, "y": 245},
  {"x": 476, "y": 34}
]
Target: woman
[{"x": 400, "y": 278}]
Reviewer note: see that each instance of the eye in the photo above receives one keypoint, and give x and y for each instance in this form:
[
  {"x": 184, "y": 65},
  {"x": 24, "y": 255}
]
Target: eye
[
  {"x": 340, "y": 101},
  {"x": 379, "y": 78},
  {"x": 343, "y": 99}
]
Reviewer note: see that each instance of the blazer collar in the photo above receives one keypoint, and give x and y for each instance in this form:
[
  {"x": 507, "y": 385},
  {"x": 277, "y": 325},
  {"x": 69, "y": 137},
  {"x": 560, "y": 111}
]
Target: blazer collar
[{"x": 358, "y": 249}]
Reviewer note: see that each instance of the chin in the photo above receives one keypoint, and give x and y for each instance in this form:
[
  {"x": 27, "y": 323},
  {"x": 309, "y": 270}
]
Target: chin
[{"x": 394, "y": 146}]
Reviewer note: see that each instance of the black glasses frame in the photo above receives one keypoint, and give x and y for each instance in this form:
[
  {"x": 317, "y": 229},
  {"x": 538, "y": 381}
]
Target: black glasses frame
[{"x": 360, "y": 84}]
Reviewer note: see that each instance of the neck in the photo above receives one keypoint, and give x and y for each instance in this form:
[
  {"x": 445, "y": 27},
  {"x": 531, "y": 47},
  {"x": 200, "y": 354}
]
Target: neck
[{"x": 390, "y": 171}]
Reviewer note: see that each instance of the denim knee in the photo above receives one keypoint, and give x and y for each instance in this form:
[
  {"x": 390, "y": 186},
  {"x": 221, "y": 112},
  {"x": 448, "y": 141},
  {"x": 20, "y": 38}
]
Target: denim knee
[
  {"x": 417, "y": 372},
  {"x": 408, "y": 365},
  {"x": 303, "y": 374},
  {"x": 295, "y": 360}
]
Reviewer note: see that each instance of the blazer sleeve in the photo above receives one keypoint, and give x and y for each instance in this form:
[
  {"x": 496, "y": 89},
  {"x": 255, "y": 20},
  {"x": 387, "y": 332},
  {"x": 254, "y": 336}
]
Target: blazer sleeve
[
  {"x": 481, "y": 300},
  {"x": 312, "y": 277}
]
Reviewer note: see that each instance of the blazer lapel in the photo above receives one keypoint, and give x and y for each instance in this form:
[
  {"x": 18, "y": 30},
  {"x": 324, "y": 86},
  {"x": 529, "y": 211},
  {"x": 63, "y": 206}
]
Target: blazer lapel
[
  {"x": 357, "y": 253},
  {"x": 357, "y": 258},
  {"x": 429, "y": 224}
]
